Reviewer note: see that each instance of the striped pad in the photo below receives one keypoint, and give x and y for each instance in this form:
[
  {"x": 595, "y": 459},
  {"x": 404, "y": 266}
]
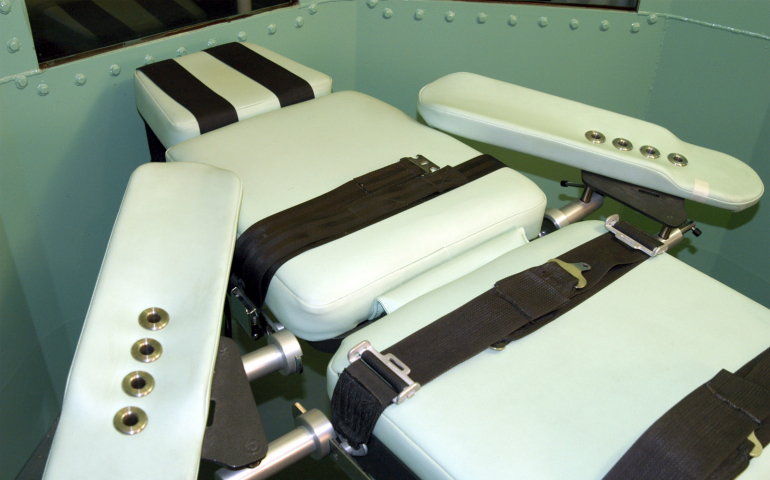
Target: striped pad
[{"x": 184, "y": 97}]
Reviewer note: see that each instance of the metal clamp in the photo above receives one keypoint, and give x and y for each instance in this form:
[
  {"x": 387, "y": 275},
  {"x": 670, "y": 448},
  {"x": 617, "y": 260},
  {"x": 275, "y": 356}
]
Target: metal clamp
[
  {"x": 394, "y": 364},
  {"x": 426, "y": 165},
  {"x": 610, "y": 225},
  {"x": 574, "y": 269},
  {"x": 256, "y": 317}
]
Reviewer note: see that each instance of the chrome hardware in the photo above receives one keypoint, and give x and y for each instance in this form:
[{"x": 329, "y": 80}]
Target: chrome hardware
[
  {"x": 146, "y": 350},
  {"x": 595, "y": 137},
  {"x": 673, "y": 236},
  {"x": 426, "y": 165},
  {"x": 574, "y": 269},
  {"x": 678, "y": 159},
  {"x": 253, "y": 313},
  {"x": 574, "y": 211},
  {"x": 394, "y": 364},
  {"x": 650, "y": 152},
  {"x": 130, "y": 420},
  {"x": 138, "y": 384},
  {"x": 610, "y": 225},
  {"x": 283, "y": 353},
  {"x": 153, "y": 318},
  {"x": 622, "y": 144}
]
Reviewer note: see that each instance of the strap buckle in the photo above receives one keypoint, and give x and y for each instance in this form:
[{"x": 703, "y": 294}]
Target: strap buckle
[
  {"x": 610, "y": 225},
  {"x": 426, "y": 165},
  {"x": 757, "y": 450},
  {"x": 391, "y": 362}
]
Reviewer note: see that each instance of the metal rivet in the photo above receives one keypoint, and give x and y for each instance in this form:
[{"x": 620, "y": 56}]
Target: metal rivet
[
  {"x": 114, "y": 69},
  {"x": 387, "y": 13},
  {"x": 450, "y": 16},
  {"x": 313, "y": 8},
  {"x": 298, "y": 22},
  {"x": 678, "y": 159},
  {"x": 604, "y": 25},
  {"x": 652, "y": 19},
  {"x": 14, "y": 45},
  {"x": 635, "y": 27},
  {"x": 242, "y": 36},
  {"x": 272, "y": 28},
  {"x": 21, "y": 82},
  {"x": 649, "y": 151},
  {"x": 622, "y": 144},
  {"x": 481, "y": 18},
  {"x": 153, "y": 318},
  {"x": 138, "y": 384},
  {"x": 130, "y": 420},
  {"x": 5, "y": 7},
  {"x": 80, "y": 79},
  {"x": 595, "y": 137},
  {"x": 513, "y": 20},
  {"x": 181, "y": 52},
  {"x": 372, "y": 3},
  {"x": 212, "y": 42},
  {"x": 43, "y": 89},
  {"x": 146, "y": 350},
  {"x": 148, "y": 59},
  {"x": 542, "y": 21},
  {"x": 419, "y": 14},
  {"x": 574, "y": 24}
]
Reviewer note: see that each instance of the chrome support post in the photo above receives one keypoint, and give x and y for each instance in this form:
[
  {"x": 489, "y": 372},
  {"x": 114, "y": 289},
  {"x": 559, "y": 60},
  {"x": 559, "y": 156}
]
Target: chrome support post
[
  {"x": 575, "y": 210},
  {"x": 283, "y": 353},
  {"x": 313, "y": 436}
]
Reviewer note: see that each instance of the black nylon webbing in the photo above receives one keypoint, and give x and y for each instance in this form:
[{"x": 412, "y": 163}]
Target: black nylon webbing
[
  {"x": 288, "y": 87},
  {"x": 705, "y": 436},
  {"x": 516, "y": 306},
  {"x": 209, "y": 109},
  {"x": 368, "y": 199},
  {"x": 108, "y": 29}
]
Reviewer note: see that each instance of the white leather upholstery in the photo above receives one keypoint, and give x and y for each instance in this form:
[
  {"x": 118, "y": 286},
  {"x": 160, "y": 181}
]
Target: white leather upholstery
[
  {"x": 291, "y": 155},
  {"x": 171, "y": 247},
  {"x": 173, "y": 123},
  {"x": 568, "y": 400},
  {"x": 554, "y": 128}
]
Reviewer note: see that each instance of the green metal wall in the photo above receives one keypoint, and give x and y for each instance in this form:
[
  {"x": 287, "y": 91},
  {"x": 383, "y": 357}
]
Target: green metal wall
[{"x": 65, "y": 157}]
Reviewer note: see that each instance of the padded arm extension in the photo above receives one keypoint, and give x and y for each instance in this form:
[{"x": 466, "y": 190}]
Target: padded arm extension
[{"x": 555, "y": 128}]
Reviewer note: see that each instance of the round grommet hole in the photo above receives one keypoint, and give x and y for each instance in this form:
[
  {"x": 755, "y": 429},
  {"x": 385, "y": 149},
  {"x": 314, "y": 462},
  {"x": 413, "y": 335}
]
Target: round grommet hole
[
  {"x": 138, "y": 384},
  {"x": 677, "y": 159},
  {"x": 146, "y": 350},
  {"x": 650, "y": 151},
  {"x": 153, "y": 318},
  {"x": 595, "y": 137},
  {"x": 622, "y": 144},
  {"x": 130, "y": 420}
]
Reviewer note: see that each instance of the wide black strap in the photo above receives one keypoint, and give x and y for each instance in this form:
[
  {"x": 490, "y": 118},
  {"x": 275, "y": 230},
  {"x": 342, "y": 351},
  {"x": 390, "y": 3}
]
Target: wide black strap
[
  {"x": 516, "y": 306},
  {"x": 108, "y": 29},
  {"x": 361, "y": 202},
  {"x": 209, "y": 109},
  {"x": 705, "y": 436},
  {"x": 287, "y": 86}
]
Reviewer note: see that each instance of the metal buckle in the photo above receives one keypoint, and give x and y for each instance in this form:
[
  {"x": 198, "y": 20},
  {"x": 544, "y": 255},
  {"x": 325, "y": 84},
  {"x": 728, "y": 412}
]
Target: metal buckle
[
  {"x": 574, "y": 269},
  {"x": 426, "y": 165},
  {"x": 394, "y": 364},
  {"x": 610, "y": 225}
]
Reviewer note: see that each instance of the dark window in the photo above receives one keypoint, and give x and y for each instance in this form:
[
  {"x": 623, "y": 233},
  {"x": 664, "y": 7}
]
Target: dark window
[{"x": 62, "y": 28}]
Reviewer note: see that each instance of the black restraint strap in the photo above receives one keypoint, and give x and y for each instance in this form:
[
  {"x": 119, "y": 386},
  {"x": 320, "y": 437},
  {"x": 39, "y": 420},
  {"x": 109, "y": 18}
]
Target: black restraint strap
[
  {"x": 288, "y": 87},
  {"x": 368, "y": 199},
  {"x": 108, "y": 29},
  {"x": 209, "y": 109},
  {"x": 516, "y": 306},
  {"x": 705, "y": 436},
  {"x": 168, "y": 12}
]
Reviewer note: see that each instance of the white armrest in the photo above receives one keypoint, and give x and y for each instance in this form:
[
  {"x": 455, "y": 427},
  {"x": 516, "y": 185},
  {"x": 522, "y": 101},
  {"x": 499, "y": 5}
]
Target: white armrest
[
  {"x": 555, "y": 128},
  {"x": 171, "y": 247}
]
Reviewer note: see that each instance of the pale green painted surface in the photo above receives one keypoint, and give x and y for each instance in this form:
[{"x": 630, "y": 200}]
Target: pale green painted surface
[{"x": 65, "y": 158}]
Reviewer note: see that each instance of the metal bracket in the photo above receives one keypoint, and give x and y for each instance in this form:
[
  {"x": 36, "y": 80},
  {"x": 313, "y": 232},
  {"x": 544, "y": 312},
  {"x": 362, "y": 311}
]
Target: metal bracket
[
  {"x": 234, "y": 436},
  {"x": 394, "y": 364},
  {"x": 261, "y": 322},
  {"x": 610, "y": 225},
  {"x": 426, "y": 165},
  {"x": 758, "y": 449},
  {"x": 574, "y": 269}
]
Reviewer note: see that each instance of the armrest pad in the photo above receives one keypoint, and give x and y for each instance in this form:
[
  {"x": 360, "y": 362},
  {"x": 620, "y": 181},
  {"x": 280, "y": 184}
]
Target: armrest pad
[{"x": 554, "y": 128}]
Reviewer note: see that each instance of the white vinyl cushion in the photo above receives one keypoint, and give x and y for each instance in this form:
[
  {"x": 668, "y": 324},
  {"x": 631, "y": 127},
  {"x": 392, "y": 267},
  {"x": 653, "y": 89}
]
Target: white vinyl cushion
[
  {"x": 554, "y": 128},
  {"x": 297, "y": 153},
  {"x": 173, "y": 123},
  {"x": 171, "y": 247},
  {"x": 568, "y": 400}
]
